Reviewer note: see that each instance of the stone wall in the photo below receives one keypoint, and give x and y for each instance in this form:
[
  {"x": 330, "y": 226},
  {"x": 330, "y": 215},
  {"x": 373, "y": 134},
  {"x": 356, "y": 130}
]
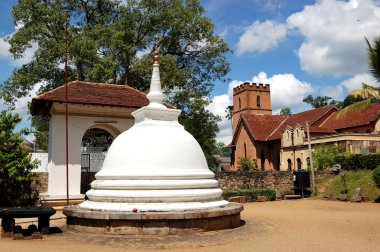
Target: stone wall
[
  {"x": 43, "y": 178},
  {"x": 280, "y": 180}
]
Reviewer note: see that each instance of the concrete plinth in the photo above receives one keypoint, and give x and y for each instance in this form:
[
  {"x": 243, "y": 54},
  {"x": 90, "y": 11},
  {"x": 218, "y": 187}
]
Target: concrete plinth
[{"x": 153, "y": 223}]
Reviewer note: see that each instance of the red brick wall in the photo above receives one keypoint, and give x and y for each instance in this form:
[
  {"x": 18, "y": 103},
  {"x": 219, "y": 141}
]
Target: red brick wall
[{"x": 245, "y": 100}]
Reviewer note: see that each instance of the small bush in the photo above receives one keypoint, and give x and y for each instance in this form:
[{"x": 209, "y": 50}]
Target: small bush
[
  {"x": 324, "y": 156},
  {"x": 250, "y": 194},
  {"x": 357, "y": 162},
  {"x": 245, "y": 164},
  {"x": 376, "y": 176}
]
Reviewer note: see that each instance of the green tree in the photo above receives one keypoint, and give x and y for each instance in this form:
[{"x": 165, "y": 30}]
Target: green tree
[
  {"x": 246, "y": 164},
  {"x": 222, "y": 150},
  {"x": 324, "y": 156},
  {"x": 202, "y": 124},
  {"x": 111, "y": 41},
  {"x": 319, "y": 101},
  {"x": 16, "y": 176},
  {"x": 285, "y": 111},
  {"x": 349, "y": 100}
]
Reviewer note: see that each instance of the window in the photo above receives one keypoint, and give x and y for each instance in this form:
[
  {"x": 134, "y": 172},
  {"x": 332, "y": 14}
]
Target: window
[
  {"x": 245, "y": 150},
  {"x": 299, "y": 164},
  {"x": 239, "y": 103},
  {"x": 262, "y": 157},
  {"x": 289, "y": 164},
  {"x": 287, "y": 134},
  {"x": 258, "y": 101},
  {"x": 297, "y": 133}
]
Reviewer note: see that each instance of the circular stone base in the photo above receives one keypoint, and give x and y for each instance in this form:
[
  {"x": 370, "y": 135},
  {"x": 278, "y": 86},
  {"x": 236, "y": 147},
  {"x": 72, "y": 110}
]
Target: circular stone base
[{"x": 153, "y": 223}]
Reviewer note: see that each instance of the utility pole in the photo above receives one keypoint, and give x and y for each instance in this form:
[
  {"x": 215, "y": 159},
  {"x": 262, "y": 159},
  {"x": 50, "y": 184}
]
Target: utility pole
[
  {"x": 66, "y": 115},
  {"x": 313, "y": 188}
]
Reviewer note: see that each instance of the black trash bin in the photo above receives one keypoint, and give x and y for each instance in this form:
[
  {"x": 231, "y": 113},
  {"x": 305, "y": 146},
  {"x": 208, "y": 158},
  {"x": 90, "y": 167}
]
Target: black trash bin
[{"x": 302, "y": 182}]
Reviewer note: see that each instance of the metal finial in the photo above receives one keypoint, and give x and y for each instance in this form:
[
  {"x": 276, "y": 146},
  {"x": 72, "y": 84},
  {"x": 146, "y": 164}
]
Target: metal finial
[{"x": 156, "y": 50}]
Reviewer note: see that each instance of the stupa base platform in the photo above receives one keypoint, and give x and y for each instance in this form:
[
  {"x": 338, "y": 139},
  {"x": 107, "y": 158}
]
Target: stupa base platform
[{"x": 153, "y": 223}]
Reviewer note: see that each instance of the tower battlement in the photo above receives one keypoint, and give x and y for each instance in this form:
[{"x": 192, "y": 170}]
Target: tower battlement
[{"x": 252, "y": 87}]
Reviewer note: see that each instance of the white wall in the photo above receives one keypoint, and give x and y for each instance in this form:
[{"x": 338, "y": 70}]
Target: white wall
[
  {"x": 77, "y": 125},
  {"x": 96, "y": 160}
]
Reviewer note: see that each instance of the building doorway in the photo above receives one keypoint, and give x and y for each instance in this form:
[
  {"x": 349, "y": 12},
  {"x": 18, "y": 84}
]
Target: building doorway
[
  {"x": 299, "y": 164},
  {"x": 289, "y": 164}
]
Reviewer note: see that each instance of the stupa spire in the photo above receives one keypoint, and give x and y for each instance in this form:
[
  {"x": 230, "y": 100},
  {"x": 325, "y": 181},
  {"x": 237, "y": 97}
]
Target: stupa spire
[{"x": 155, "y": 94}]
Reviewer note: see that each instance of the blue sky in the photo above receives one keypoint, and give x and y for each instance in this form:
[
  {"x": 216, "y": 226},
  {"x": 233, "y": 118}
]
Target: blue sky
[{"x": 300, "y": 47}]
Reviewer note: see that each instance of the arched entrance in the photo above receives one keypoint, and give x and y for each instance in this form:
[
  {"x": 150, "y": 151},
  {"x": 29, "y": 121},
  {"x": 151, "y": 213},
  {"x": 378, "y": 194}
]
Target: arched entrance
[
  {"x": 95, "y": 143},
  {"x": 289, "y": 164},
  {"x": 96, "y": 140},
  {"x": 299, "y": 164}
]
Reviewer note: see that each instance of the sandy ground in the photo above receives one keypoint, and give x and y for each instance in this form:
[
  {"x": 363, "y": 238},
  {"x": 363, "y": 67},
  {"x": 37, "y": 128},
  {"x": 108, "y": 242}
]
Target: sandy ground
[{"x": 299, "y": 225}]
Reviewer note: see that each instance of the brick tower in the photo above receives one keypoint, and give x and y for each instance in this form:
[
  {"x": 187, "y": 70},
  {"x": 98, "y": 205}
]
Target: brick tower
[{"x": 250, "y": 98}]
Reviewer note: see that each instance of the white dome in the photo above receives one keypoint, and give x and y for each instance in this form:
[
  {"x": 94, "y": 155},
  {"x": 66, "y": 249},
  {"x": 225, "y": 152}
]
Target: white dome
[
  {"x": 154, "y": 166},
  {"x": 155, "y": 149}
]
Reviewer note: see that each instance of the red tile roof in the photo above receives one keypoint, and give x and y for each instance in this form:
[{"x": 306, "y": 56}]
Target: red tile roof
[
  {"x": 354, "y": 118},
  {"x": 262, "y": 126},
  {"x": 80, "y": 92},
  {"x": 310, "y": 116},
  {"x": 269, "y": 127}
]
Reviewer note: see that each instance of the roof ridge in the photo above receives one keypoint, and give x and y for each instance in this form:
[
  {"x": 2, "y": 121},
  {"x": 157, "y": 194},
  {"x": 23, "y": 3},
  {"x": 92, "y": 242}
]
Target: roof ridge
[{"x": 285, "y": 119}]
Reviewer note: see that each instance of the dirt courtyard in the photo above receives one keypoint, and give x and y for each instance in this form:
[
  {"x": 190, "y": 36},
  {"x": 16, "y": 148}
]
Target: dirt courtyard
[{"x": 299, "y": 225}]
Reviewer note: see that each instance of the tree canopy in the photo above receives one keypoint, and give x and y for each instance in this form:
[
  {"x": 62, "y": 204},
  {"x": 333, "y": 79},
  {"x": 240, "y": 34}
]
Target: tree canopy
[
  {"x": 319, "y": 101},
  {"x": 111, "y": 41},
  {"x": 16, "y": 176},
  {"x": 285, "y": 111}
]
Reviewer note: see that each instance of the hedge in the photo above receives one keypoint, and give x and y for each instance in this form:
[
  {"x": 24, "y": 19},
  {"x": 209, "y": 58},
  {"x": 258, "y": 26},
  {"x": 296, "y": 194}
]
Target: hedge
[
  {"x": 376, "y": 176},
  {"x": 250, "y": 194},
  {"x": 358, "y": 161}
]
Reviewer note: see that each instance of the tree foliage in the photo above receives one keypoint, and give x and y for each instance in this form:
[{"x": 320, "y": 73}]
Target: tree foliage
[
  {"x": 111, "y": 41},
  {"x": 373, "y": 53},
  {"x": 319, "y": 101},
  {"x": 324, "y": 156},
  {"x": 246, "y": 164},
  {"x": 285, "y": 111},
  {"x": 202, "y": 124},
  {"x": 16, "y": 176}
]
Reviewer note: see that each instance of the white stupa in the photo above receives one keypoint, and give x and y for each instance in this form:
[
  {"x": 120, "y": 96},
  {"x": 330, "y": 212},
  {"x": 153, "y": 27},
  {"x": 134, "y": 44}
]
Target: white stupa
[
  {"x": 154, "y": 166},
  {"x": 154, "y": 181}
]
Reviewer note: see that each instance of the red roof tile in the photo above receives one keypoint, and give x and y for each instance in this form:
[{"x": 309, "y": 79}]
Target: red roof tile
[
  {"x": 262, "y": 126},
  {"x": 80, "y": 92},
  {"x": 354, "y": 118},
  {"x": 301, "y": 118}
]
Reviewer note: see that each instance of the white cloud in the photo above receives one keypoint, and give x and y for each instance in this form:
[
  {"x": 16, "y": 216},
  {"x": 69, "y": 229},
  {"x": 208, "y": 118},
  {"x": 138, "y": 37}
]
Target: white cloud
[
  {"x": 260, "y": 37},
  {"x": 356, "y": 81},
  {"x": 342, "y": 89},
  {"x": 286, "y": 91},
  {"x": 27, "y": 55},
  {"x": 334, "y": 34}
]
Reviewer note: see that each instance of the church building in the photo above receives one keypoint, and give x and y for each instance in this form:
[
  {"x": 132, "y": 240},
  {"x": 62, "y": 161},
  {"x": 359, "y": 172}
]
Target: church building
[{"x": 279, "y": 142}]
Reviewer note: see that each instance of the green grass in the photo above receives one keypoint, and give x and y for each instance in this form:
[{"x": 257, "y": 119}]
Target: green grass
[{"x": 354, "y": 179}]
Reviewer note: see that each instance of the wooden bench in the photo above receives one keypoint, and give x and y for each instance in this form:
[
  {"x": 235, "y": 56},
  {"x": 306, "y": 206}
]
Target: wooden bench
[{"x": 8, "y": 215}]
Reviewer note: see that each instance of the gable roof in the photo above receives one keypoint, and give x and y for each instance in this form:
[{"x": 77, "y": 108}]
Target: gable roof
[
  {"x": 89, "y": 93},
  {"x": 310, "y": 116},
  {"x": 259, "y": 127},
  {"x": 270, "y": 127},
  {"x": 354, "y": 118}
]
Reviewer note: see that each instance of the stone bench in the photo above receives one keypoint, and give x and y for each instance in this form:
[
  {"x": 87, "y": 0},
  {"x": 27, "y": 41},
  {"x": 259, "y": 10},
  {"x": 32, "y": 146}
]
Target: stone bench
[{"x": 8, "y": 215}]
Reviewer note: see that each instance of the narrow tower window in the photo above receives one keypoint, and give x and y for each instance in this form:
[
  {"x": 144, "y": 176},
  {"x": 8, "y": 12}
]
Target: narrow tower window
[
  {"x": 258, "y": 101},
  {"x": 239, "y": 103},
  {"x": 245, "y": 151}
]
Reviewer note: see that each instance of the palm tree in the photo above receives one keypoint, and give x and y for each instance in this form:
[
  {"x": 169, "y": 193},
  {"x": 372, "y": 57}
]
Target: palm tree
[{"x": 370, "y": 93}]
